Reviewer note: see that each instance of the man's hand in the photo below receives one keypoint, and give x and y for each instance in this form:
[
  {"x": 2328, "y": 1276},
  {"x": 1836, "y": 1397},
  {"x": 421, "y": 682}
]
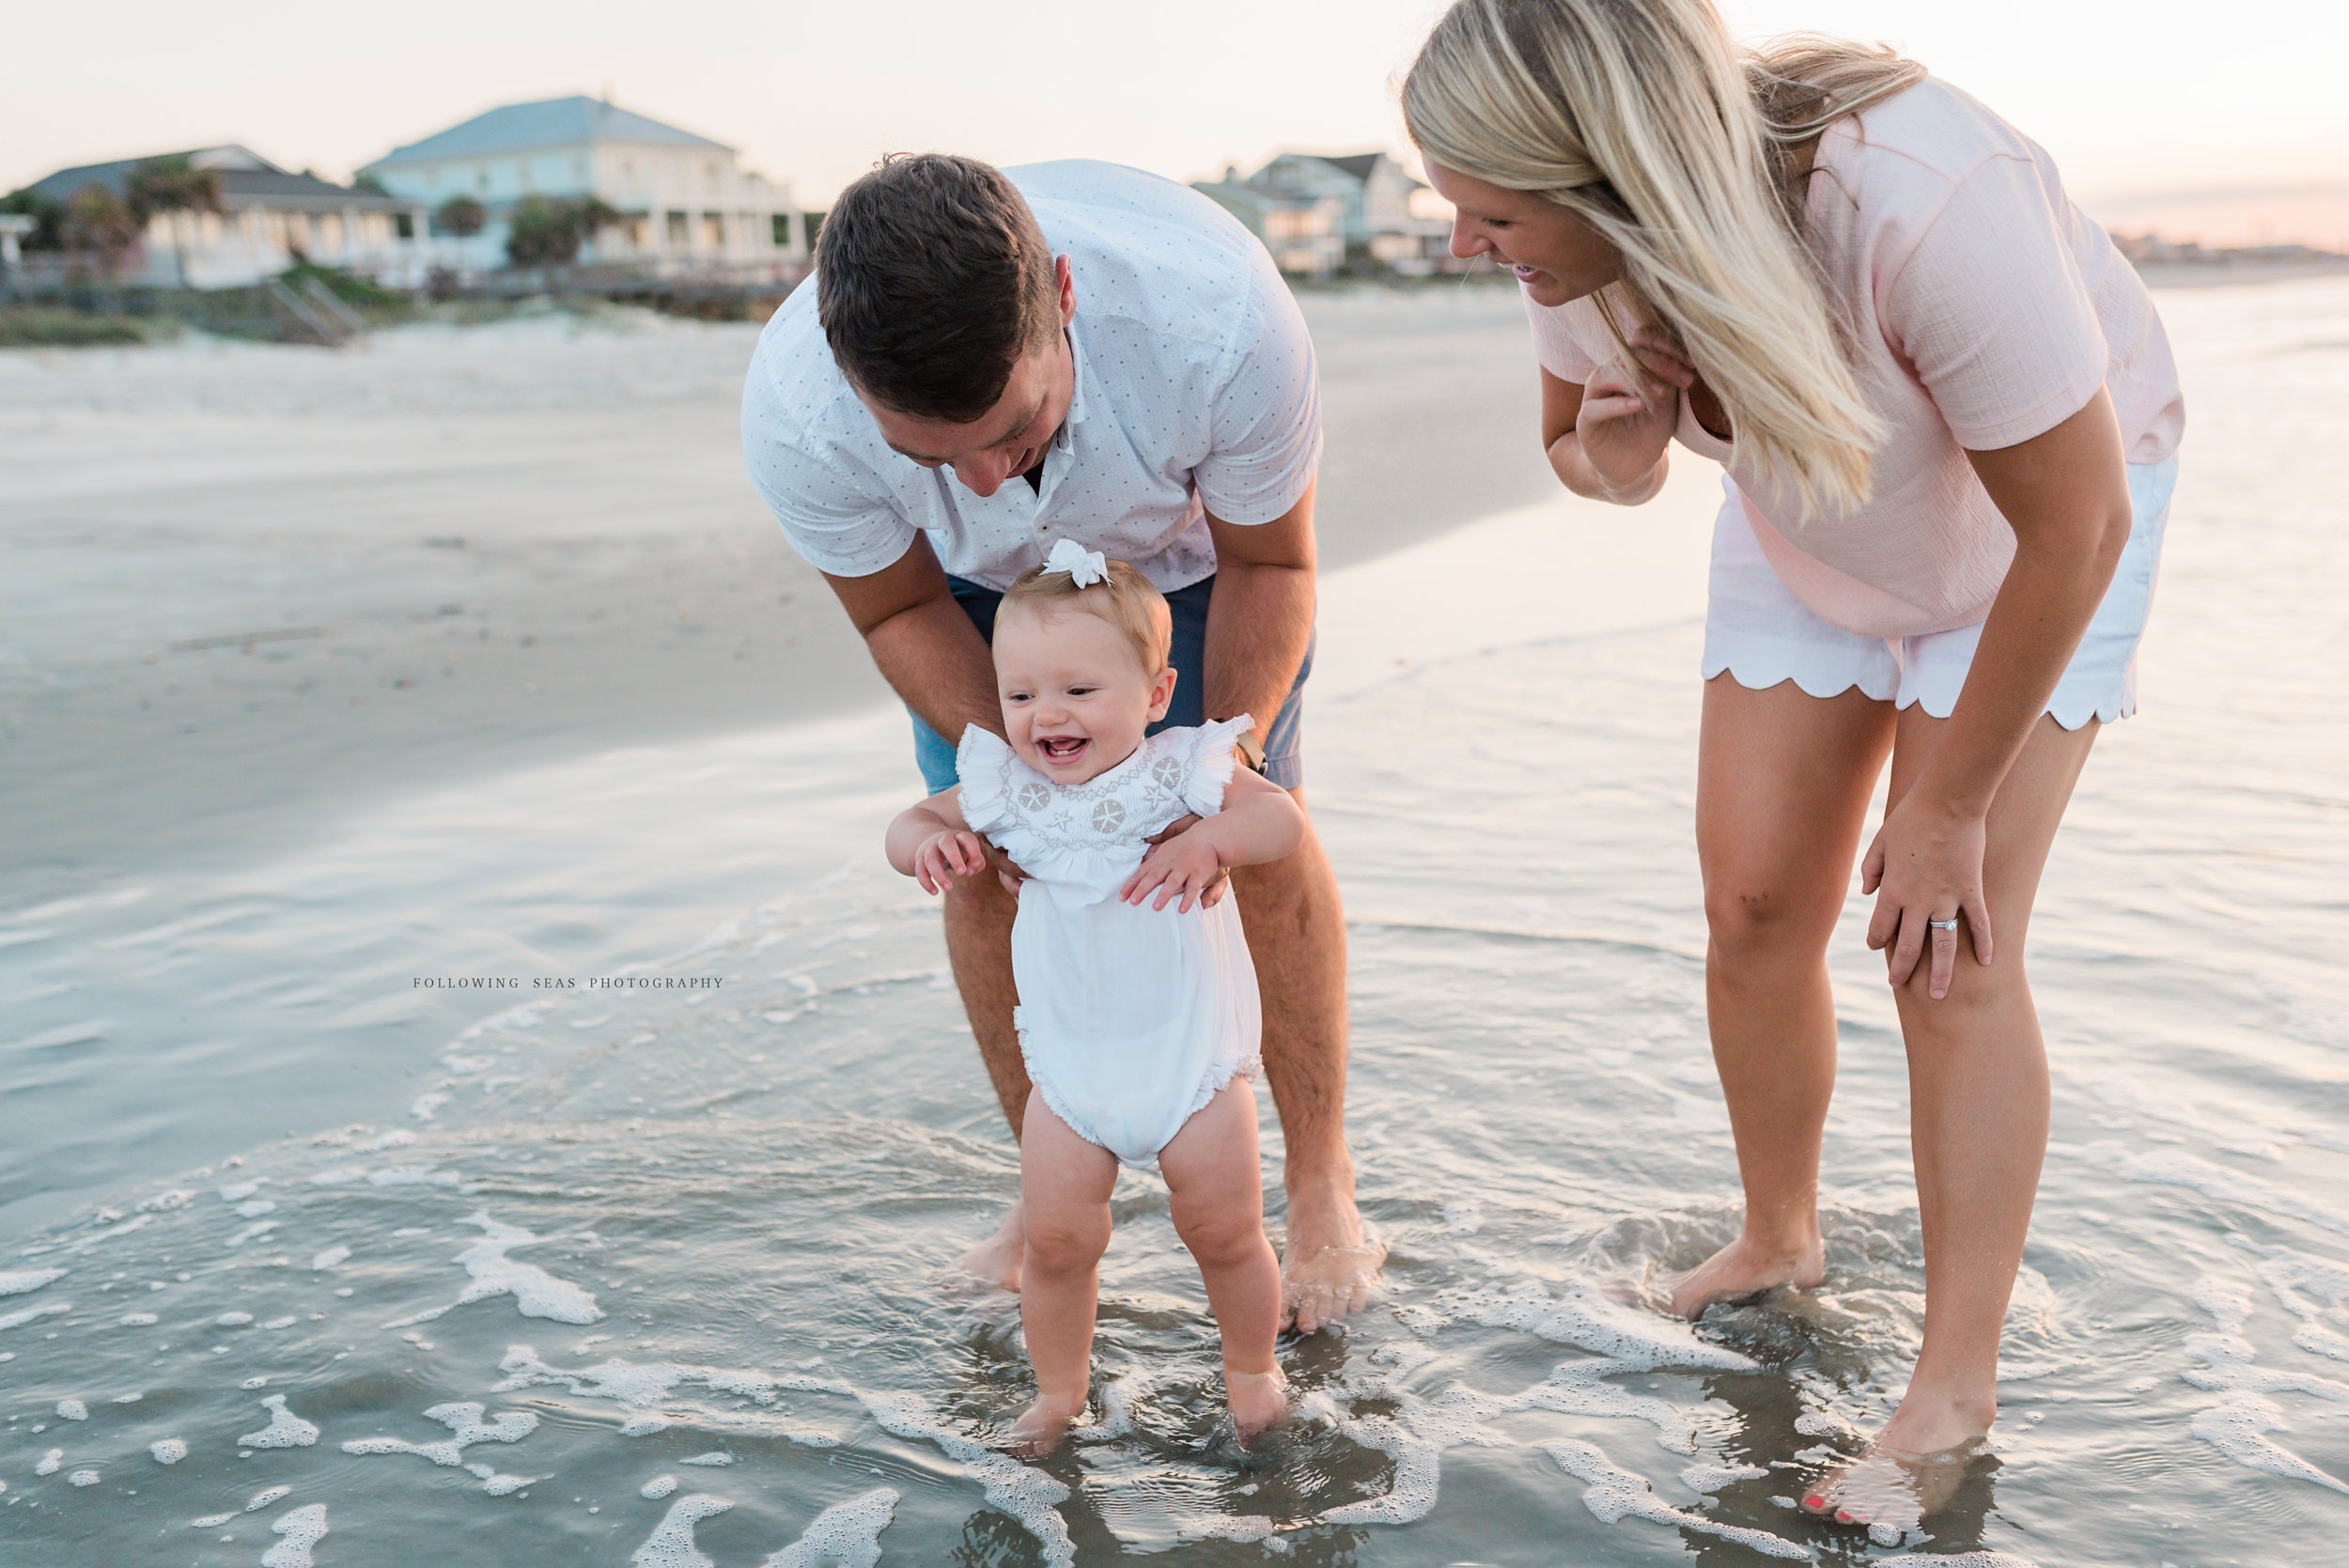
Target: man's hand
[{"x": 1186, "y": 864}]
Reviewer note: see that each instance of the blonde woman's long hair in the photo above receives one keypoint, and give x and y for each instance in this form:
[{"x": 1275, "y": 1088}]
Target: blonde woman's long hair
[{"x": 1684, "y": 151}]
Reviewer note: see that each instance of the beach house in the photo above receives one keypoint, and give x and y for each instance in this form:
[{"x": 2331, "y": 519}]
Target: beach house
[
  {"x": 262, "y": 219},
  {"x": 1306, "y": 234},
  {"x": 644, "y": 195},
  {"x": 1387, "y": 218}
]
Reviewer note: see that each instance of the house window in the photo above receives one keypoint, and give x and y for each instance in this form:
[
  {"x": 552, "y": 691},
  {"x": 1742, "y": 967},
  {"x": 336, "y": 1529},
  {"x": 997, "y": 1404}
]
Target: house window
[
  {"x": 679, "y": 239},
  {"x": 782, "y": 224},
  {"x": 713, "y": 231}
]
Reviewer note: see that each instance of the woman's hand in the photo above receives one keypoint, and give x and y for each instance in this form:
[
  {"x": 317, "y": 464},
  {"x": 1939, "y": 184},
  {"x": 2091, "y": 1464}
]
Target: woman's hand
[
  {"x": 1629, "y": 412},
  {"x": 1186, "y": 865},
  {"x": 1926, "y": 864},
  {"x": 944, "y": 856}
]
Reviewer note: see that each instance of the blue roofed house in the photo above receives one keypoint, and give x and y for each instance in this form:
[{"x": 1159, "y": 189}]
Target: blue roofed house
[
  {"x": 268, "y": 219},
  {"x": 1388, "y": 216},
  {"x": 686, "y": 204}
]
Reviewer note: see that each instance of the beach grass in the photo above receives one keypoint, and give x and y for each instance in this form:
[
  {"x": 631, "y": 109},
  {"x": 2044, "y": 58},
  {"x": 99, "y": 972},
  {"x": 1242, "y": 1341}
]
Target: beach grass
[{"x": 56, "y": 327}]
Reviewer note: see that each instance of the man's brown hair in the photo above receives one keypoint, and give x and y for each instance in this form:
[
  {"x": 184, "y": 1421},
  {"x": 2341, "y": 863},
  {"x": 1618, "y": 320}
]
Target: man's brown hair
[{"x": 931, "y": 280}]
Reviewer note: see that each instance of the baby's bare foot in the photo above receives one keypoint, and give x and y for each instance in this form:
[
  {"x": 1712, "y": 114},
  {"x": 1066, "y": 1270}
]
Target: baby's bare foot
[
  {"x": 1043, "y": 1424},
  {"x": 1259, "y": 1401},
  {"x": 1890, "y": 1489},
  {"x": 994, "y": 1264},
  {"x": 1741, "y": 1269}
]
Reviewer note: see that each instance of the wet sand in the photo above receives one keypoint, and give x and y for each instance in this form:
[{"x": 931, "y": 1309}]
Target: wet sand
[{"x": 245, "y": 590}]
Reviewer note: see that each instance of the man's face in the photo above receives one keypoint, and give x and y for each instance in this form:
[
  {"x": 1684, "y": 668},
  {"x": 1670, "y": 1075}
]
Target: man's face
[{"x": 1010, "y": 438}]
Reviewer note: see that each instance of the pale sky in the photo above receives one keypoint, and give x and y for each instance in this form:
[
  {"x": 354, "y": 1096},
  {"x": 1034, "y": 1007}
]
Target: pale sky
[{"x": 2178, "y": 95}]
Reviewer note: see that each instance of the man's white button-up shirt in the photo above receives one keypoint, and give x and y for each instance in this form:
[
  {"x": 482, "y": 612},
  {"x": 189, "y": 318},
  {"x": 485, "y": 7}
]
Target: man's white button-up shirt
[{"x": 1195, "y": 393}]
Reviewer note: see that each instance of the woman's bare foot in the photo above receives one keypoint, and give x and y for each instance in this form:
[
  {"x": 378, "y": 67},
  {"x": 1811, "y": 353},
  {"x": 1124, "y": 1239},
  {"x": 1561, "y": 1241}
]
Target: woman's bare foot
[
  {"x": 1743, "y": 1269},
  {"x": 995, "y": 1262},
  {"x": 1330, "y": 1261},
  {"x": 1258, "y": 1401},
  {"x": 1892, "y": 1490},
  {"x": 1043, "y": 1424}
]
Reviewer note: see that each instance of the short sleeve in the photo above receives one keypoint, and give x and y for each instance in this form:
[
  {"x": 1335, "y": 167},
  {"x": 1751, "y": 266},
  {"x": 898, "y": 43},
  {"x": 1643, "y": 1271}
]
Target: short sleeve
[
  {"x": 1991, "y": 312},
  {"x": 1555, "y": 347},
  {"x": 982, "y": 763},
  {"x": 1266, "y": 423},
  {"x": 839, "y": 516},
  {"x": 1210, "y": 771}
]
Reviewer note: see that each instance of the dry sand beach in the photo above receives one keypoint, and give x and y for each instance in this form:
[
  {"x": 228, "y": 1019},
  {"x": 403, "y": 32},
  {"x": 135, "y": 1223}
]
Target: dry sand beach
[
  {"x": 244, "y": 588},
  {"x": 468, "y": 655}
]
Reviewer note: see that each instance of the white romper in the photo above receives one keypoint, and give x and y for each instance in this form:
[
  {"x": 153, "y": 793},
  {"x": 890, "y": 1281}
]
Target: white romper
[{"x": 1130, "y": 1018}]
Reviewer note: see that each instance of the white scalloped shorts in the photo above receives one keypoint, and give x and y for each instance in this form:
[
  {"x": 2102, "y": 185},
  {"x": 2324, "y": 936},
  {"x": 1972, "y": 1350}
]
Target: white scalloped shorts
[{"x": 1760, "y": 634}]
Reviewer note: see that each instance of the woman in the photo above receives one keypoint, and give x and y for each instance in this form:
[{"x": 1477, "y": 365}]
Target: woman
[{"x": 1948, "y": 414}]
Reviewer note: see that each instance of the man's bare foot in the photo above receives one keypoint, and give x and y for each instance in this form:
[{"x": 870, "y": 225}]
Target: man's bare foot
[
  {"x": 1043, "y": 1424},
  {"x": 1330, "y": 1263},
  {"x": 1258, "y": 1399},
  {"x": 995, "y": 1262},
  {"x": 1890, "y": 1489},
  {"x": 1740, "y": 1269}
]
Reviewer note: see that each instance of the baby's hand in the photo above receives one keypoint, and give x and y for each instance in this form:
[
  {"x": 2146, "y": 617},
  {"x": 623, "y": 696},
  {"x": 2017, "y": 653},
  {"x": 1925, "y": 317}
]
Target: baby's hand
[
  {"x": 944, "y": 856},
  {"x": 1186, "y": 864}
]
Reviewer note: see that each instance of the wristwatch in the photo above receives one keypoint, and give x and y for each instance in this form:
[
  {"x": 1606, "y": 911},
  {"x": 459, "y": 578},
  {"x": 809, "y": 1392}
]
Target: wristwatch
[{"x": 1250, "y": 752}]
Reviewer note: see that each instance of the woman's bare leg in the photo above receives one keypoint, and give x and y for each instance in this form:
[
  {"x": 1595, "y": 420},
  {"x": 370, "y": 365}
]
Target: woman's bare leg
[
  {"x": 1782, "y": 786},
  {"x": 1213, "y": 1172},
  {"x": 1977, "y": 1127},
  {"x": 1064, "y": 1185}
]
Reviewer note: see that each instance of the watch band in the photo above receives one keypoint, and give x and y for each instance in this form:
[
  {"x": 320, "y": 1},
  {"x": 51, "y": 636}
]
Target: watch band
[{"x": 1250, "y": 752}]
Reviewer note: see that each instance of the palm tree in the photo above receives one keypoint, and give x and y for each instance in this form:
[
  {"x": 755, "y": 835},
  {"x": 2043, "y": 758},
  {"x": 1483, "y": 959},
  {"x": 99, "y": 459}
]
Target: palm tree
[
  {"x": 170, "y": 186},
  {"x": 98, "y": 220},
  {"x": 461, "y": 216}
]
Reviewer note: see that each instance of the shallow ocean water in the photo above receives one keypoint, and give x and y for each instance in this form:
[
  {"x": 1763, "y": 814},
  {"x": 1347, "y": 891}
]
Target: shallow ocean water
[{"x": 647, "y": 1275}]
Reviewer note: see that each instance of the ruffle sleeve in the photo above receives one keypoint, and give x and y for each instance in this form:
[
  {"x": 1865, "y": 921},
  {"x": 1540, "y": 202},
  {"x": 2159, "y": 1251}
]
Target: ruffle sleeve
[
  {"x": 1211, "y": 763},
  {"x": 984, "y": 762}
]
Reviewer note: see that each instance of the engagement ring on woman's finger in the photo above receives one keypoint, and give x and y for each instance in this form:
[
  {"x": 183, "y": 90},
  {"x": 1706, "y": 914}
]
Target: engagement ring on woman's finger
[{"x": 1949, "y": 925}]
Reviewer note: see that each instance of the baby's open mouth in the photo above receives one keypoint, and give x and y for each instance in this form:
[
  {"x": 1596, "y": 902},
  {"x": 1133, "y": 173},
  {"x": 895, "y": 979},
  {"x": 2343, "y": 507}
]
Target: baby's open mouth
[{"x": 1062, "y": 749}]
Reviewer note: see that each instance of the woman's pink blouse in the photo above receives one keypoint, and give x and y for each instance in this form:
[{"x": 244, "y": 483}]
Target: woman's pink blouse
[{"x": 1986, "y": 309}]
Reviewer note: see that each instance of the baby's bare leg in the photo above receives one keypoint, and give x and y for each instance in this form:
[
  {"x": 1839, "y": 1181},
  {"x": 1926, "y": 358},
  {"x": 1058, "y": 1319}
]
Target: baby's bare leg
[
  {"x": 1211, "y": 1168},
  {"x": 1065, "y": 1186}
]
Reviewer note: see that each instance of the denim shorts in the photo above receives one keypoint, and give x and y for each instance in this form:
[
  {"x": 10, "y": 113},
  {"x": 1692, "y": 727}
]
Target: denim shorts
[{"x": 1284, "y": 747}]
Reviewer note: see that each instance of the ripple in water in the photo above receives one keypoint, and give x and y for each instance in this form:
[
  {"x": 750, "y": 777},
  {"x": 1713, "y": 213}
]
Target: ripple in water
[{"x": 613, "y": 1239}]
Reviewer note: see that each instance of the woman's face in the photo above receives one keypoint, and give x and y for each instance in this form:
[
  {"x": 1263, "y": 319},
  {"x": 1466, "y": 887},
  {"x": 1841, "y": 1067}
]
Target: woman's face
[{"x": 1554, "y": 254}]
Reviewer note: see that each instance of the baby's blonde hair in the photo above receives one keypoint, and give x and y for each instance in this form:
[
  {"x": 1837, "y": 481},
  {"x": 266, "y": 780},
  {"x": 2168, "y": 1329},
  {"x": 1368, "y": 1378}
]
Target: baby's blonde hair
[{"x": 1127, "y": 600}]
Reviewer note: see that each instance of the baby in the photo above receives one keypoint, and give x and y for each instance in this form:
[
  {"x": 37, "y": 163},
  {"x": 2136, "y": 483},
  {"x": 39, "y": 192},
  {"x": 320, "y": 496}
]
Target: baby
[{"x": 1138, "y": 1009}]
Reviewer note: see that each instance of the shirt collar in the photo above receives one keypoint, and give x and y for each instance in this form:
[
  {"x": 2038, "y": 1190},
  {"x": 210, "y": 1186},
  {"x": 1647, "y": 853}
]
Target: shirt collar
[{"x": 1080, "y": 384}]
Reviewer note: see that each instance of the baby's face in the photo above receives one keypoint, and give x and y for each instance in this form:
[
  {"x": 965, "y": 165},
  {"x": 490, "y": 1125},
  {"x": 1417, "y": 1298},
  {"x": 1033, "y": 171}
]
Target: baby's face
[{"x": 1076, "y": 700}]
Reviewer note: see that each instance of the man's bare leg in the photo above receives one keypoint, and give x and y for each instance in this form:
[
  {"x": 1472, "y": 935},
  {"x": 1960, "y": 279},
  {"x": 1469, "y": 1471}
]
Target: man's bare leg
[
  {"x": 979, "y": 912},
  {"x": 1297, "y": 934}
]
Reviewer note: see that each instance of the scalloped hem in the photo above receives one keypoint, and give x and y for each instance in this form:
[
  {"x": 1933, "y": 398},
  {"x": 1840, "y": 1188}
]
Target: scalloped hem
[
  {"x": 2067, "y": 715},
  {"x": 1217, "y": 1080},
  {"x": 1812, "y": 678}
]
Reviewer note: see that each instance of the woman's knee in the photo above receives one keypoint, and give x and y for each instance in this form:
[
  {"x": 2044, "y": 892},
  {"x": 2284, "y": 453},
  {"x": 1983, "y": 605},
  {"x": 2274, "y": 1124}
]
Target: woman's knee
[{"x": 1765, "y": 918}]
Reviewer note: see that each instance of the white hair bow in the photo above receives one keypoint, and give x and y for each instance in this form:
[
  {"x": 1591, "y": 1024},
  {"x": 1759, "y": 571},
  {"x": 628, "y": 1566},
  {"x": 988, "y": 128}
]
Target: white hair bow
[{"x": 1084, "y": 566}]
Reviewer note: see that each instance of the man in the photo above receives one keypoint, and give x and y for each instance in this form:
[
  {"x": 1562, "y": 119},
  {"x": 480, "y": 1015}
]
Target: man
[{"x": 991, "y": 361}]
